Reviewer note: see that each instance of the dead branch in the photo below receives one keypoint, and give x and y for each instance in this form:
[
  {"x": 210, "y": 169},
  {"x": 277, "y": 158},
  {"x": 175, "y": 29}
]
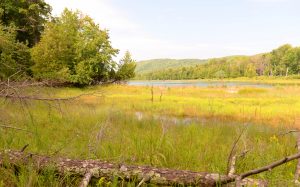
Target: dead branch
[
  {"x": 22, "y": 97},
  {"x": 229, "y": 160},
  {"x": 263, "y": 169},
  {"x": 270, "y": 166},
  {"x": 297, "y": 172},
  {"x": 86, "y": 179},
  {"x": 98, "y": 169},
  {"x": 233, "y": 163},
  {"x": 24, "y": 147},
  {"x": 15, "y": 128}
]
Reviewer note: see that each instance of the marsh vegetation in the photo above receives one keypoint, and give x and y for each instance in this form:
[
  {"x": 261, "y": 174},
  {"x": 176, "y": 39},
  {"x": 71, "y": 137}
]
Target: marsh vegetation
[{"x": 122, "y": 124}]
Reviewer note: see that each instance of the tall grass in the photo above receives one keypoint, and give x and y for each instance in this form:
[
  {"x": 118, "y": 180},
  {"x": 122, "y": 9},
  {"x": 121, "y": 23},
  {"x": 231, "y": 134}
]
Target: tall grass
[{"x": 107, "y": 128}]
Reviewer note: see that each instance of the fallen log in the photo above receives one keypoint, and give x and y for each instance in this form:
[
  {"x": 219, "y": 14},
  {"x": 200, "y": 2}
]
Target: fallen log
[{"x": 88, "y": 169}]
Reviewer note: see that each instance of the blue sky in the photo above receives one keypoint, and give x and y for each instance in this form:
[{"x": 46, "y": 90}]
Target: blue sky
[{"x": 193, "y": 28}]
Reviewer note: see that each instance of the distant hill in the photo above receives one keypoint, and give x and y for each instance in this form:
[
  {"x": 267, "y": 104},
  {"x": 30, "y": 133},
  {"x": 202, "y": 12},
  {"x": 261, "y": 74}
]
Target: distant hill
[{"x": 148, "y": 66}]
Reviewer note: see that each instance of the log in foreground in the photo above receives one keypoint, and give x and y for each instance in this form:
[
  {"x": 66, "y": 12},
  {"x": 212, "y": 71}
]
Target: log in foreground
[{"x": 98, "y": 169}]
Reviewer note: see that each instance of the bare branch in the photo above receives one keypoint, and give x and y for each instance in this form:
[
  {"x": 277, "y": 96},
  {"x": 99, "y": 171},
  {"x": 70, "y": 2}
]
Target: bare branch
[
  {"x": 233, "y": 162},
  {"x": 297, "y": 172},
  {"x": 86, "y": 179},
  {"x": 12, "y": 96},
  {"x": 270, "y": 166},
  {"x": 229, "y": 160},
  {"x": 24, "y": 147},
  {"x": 15, "y": 128},
  {"x": 262, "y": 169}
]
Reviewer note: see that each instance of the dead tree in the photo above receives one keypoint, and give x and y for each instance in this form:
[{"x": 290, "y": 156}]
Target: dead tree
[{"x": 89, "y": 169}]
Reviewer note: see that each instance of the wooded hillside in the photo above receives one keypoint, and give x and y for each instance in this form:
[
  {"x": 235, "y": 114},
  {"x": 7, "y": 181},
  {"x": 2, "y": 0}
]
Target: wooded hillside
[{"x": 283, "y": 61}]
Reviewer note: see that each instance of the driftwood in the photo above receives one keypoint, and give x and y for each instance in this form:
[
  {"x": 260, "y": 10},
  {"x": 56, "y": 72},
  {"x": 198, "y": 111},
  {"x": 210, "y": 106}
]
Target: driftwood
[{"x": 88, "y": 169}]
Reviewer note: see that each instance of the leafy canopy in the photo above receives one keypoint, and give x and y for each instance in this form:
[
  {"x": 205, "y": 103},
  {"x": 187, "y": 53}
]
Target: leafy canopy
[
  {"x": 28, "y": 17},
  {"x": 14, "y": 56},
  {"x": 126, "y": 68},
  {"x": 74, "y": 49}
]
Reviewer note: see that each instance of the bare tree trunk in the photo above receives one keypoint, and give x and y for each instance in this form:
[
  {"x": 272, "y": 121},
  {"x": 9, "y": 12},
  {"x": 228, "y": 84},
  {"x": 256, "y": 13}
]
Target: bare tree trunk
[{"x": 140, "y": 174}]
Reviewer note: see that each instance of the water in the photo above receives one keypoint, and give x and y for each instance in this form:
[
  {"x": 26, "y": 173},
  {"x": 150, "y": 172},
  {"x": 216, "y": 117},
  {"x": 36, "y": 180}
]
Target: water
[{"x": 199, "y": 84}]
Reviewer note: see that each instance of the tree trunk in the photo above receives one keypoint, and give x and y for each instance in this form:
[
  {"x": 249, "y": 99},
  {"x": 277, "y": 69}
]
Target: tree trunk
[{"x": 88, "y": 169}]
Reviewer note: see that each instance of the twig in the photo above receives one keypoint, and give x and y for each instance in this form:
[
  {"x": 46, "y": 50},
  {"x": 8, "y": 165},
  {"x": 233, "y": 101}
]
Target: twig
[{"x": 23, "y": 149}]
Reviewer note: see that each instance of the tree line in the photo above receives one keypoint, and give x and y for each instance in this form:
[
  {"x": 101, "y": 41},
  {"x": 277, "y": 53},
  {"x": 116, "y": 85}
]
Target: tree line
[
  {"x": 283, "y": 61},
  {"x": 70, "y": 48}
]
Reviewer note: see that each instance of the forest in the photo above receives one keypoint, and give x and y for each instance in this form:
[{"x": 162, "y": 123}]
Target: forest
[
  {"x": 69, "y": 49},
  {"x": 281, "y": 62}
]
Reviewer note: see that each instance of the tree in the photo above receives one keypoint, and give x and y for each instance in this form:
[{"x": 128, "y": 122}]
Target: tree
[
  {"x": 220, "y": 74},
  {"x": 126, "y": 69},
  {"x": 250, "y": 70},
  {"x": 28, "y": 17},
  {"x": 291, "y": 61},
  {"x": 74, "y": 49},
  {"x": 14, "y": 56},
  {"x": 276, "y": 60}
]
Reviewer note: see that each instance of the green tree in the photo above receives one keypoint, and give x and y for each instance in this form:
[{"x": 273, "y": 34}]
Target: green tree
[
  {"x": 14, "y": 56},
  {"x": 74, "y": 49},
  {"x": 278, "y": 64},
  {"x": 220, "y": 74},
  {"x": 250, "y": 70},
  {"x": 28, "y": 17},
  {"x": 291, "y": 61},
  {"x": 126, "y": 68}
]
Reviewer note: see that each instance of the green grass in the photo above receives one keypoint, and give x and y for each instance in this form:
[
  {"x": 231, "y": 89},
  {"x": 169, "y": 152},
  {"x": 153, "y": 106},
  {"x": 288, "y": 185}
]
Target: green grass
[{"x": 108, "y": 128}]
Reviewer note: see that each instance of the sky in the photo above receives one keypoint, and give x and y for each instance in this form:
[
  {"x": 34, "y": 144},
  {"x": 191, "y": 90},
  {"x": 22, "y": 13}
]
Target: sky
[{"x": 152, "y": 29}]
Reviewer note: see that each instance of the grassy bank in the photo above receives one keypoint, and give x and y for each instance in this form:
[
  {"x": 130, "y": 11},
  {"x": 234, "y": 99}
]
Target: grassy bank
[{"x": 122, "y": 124}]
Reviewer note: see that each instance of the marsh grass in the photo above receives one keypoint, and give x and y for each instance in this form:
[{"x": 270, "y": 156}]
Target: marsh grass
[{"x": 107, "y": 128}]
